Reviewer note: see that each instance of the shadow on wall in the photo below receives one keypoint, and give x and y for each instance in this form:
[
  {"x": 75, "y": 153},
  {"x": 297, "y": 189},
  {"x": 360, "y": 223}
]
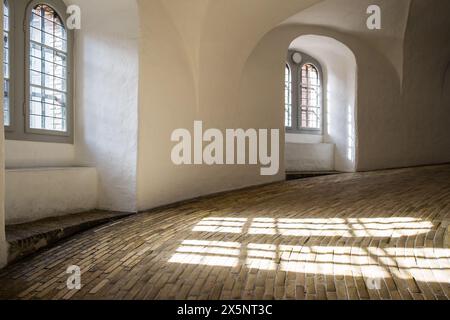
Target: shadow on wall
[{"x": 427, "y": 82}]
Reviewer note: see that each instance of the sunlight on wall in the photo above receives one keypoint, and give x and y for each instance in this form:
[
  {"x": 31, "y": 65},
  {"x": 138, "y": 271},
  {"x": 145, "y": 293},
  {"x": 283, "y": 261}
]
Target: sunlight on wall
[
  {"x": 329, "y": 103},
  {"x": 351, "y": 143}
]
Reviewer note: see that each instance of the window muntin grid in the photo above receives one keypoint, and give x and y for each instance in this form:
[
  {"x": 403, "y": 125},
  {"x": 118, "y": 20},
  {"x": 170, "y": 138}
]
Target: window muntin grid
[
  {"x": 48, "y": 70},
  {"x": 288, "y": 96},
  {"x": 310, "y": 102},
  {"x": 6, "y": 66}
]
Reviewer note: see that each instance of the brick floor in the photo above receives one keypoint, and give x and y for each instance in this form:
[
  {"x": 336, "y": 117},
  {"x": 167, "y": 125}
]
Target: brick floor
[{"x": 355, "y": 236}]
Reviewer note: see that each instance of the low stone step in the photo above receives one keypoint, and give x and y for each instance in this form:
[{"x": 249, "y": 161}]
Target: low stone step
[{"x": 28, "y": 238}]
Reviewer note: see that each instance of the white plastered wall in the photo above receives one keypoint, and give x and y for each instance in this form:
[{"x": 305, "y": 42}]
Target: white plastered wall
[
  {"x": 309, "y": 157},
  {"x": 26, "y": 154},
  {"x": 194, "y": 66},
  {"x": 106, "y": 93}
]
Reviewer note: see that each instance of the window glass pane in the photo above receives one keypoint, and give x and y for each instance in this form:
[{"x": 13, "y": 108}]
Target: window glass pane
[
  {"x": 310, "y": 100},
  {"x": 288, "y": 96},
  {"x": 48, "y": 70},
  {"x": 6, "y": 66}
]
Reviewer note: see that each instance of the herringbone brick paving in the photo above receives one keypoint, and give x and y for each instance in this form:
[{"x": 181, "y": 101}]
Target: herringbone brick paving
[{"x": 373, "y": 235}]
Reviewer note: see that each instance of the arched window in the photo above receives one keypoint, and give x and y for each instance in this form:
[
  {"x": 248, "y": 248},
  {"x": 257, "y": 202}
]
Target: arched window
[
  {"x": 47, "y": 70},
  {"x": 37, "y": 68},
  {"x": 303, "y": 94},
  {"x": 6, "y": 65},
  {"x": 310, "y": 98},
  {"x": 288, "y": 96}
]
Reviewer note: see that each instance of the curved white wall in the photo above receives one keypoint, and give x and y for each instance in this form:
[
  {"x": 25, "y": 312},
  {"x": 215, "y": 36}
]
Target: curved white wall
[
  {"x": 339, "y": 71},
  {"x": 194, "y": 66}
]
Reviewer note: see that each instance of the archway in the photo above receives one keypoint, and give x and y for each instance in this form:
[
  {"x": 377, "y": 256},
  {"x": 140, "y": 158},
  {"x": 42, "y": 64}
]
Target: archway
[{"x": 334, "y": 147}]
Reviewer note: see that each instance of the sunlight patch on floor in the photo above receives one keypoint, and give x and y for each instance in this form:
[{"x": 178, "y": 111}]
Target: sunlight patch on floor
[
  {"x": 422, "y": 264},
  {"x": 368, "y": 262},
  {"x": 348, "y": 228}
]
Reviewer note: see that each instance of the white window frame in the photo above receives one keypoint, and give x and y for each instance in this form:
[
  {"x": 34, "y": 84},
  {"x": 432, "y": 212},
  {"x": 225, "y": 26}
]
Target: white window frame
[
  {"x": 20, "y": 128},
  {"x": 296, "y": 70}
]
